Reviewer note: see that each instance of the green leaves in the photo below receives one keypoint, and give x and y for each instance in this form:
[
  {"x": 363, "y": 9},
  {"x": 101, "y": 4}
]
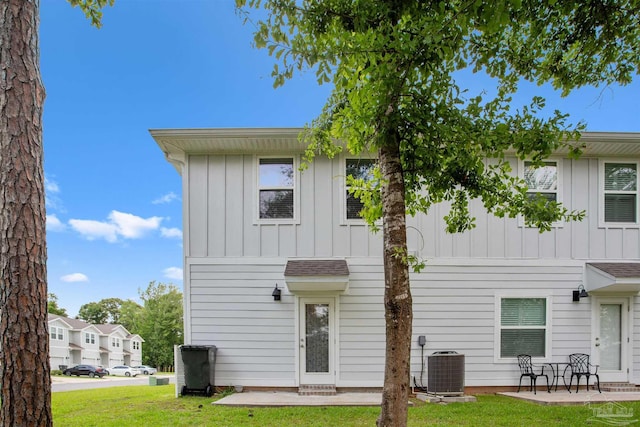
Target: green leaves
[
  {"x": 92, "y": 9},
  {"x": 394, "y": 65}
]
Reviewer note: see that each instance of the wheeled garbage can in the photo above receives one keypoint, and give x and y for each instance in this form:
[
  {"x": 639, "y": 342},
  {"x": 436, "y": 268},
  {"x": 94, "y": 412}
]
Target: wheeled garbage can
[{"x": 199, "y": 369}]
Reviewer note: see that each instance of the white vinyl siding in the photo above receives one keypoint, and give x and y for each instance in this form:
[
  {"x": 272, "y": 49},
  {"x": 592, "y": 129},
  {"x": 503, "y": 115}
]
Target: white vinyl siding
[{"x": 619, "y": 193}]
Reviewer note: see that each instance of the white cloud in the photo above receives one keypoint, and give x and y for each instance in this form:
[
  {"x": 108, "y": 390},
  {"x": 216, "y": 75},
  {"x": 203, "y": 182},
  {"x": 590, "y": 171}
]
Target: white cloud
[
  {"x": 75, "y": 277},
  {"x": 51, "y": 199},
  {"x": 171, "y": 232},
  {"x": 54, "y": 224},
  {"x": 92, "y": 230},
  {"x": 173, "y": 273},
  {"x": 132, "y": 226},
  {"x": 119, "y": 224},
  {"x": 167, "y": 198},
  {"x": 51, "y": 186}
]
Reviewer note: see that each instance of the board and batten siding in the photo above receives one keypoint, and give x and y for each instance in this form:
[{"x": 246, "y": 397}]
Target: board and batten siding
[
  {"x": 454, "y": 307},
  {"x": 221, "y": 220}
]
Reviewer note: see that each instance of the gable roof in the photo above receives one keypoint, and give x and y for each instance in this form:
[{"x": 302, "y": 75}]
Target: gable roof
[
  {"x": 77, "y": 324},
  {"x": 613, "y": 277}
]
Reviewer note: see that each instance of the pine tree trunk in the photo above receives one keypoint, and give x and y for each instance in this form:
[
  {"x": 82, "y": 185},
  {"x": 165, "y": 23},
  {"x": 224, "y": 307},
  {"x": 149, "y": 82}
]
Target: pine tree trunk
[
  {"x": 397, "y": 295},
  {"x": 24, "y": 352}
]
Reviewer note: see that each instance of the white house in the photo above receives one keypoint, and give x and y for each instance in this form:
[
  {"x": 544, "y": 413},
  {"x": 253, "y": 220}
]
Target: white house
[
  {"x": 253, "y": 224},
  {"x": 73, "y": 341}
]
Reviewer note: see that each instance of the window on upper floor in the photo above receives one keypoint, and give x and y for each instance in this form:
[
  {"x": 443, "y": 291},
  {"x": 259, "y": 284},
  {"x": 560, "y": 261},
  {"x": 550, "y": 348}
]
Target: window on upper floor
[
  {"x": 89, "y": 338},
  {"x": 115, "y": 342},
  {"x": 619, "y": 193},
  {"x": 542, "y": 180},
  {"x": 276, "y": 188},
  {"x": 523, "y": 326},
  {"x": 56, "y": 333},
  {"x": 359, "y": 169}
]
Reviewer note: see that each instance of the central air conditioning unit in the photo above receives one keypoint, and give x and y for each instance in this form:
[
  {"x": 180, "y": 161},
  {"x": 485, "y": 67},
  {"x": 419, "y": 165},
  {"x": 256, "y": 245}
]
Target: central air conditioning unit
[{"x": 445, "y": 374}]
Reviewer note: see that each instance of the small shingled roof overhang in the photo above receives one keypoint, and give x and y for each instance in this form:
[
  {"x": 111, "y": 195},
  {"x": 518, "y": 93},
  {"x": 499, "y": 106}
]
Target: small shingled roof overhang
[
  {"x": 615, "y": 277},
  {"x": 317, "y": 275}
]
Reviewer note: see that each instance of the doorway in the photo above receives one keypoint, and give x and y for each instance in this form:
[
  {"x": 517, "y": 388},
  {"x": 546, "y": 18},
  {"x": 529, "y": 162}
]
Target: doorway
[
  {"x": 317, "y": 340},
  {"x": 611, "y": 338}
]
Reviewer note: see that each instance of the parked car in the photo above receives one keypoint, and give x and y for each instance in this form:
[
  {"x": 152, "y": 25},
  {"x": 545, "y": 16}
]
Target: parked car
[
  {"x": 106, "y": 371},
  {"x": 123, "y": 370},
  {"x": 90, "y": 370},
  {"x": 145, "y": 369}
]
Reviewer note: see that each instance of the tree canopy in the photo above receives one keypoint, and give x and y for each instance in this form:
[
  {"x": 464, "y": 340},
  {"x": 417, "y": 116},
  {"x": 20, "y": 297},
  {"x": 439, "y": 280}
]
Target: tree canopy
[
  {"x": 398, "y": 70},
  {"x": 52, "y": 306}
]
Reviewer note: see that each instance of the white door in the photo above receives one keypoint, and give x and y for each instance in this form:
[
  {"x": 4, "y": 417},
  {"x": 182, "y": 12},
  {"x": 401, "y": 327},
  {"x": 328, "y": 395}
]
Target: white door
[
  {"x": 316, "y": 342},
  {"x": 611, "y": 344}
]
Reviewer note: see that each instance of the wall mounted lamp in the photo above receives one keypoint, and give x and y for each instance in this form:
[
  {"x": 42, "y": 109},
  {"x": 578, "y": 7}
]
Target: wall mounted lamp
[
  {"x": 276, "y": 294},
  {"x": 580, "y": 293}
]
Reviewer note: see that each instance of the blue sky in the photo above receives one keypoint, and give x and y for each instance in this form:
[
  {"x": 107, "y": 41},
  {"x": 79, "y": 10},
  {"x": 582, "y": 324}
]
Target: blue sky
[{"x": 113, "y": 201}]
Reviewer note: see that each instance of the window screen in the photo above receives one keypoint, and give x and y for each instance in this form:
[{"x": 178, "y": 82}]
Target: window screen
[{"x": 620, "y": 192}]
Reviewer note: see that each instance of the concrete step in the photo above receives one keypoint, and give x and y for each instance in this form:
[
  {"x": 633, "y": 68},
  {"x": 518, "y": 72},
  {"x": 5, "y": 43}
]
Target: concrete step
[
  {"x": 619, "y": 387},
  {"x": 316, "y": 390}
]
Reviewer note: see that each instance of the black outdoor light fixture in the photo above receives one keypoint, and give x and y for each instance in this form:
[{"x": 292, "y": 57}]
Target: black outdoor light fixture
[
  {"x": 276, "y": 293},
  {"x": 580, "y": 293}
]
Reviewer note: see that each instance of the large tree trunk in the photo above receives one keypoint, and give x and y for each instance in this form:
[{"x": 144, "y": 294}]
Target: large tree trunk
[
  {"x": 24, "y": 353},
  {"x": 397, "y": 295}
]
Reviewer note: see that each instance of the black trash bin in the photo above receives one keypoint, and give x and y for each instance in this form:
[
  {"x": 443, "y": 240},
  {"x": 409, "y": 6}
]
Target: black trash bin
[
  {"x": 199, "y": 369},
  {"x": 62, "y": 367}
]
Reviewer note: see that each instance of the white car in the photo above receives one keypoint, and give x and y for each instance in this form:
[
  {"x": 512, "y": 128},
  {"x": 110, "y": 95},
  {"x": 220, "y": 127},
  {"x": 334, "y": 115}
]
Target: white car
[
  {"x": 146, "y": 370},
  {"x": 123, "y": 370}
]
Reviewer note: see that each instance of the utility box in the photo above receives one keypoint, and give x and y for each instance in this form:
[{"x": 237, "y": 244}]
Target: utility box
[
  {"x": 445, "y": 374},
  {"x": 199, "y": 369}
]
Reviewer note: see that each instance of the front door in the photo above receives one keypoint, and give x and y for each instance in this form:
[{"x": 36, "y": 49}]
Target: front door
[
  {"x": 316, "y": 341},
  {"x": 611, "y": 344}
]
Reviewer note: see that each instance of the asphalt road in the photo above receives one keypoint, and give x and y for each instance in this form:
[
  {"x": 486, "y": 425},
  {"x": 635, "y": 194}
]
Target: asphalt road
[{"x": 82, "y": 383}]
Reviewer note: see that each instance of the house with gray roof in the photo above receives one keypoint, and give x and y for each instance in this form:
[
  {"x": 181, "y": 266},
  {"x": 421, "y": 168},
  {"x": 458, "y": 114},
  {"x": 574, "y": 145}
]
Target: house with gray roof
[
  {"x": 73, "y": 341},
  {"x": 284, "y": 277}
]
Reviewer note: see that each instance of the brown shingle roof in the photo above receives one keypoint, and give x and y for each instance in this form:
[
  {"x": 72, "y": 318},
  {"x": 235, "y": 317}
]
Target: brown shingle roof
[
  {"x": 317, "y": 267},
  {"x": 618, "y": 269}
]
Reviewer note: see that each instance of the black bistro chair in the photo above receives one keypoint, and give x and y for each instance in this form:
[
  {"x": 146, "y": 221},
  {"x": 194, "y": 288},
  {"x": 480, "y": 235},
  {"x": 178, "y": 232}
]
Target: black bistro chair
[
  {"x": 580, "y": 367},
  {"x": 528, "y": 369}
]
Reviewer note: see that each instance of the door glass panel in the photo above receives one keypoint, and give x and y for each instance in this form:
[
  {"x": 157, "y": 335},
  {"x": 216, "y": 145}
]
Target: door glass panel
[
  {"x": 317, "y": 337},
  {"x": 610, "y": 336}
]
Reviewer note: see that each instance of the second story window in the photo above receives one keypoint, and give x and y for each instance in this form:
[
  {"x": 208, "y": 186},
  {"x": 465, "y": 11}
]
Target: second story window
[
  {"x": 542, "y": 180},
  {"x": 620, "y": 192},
  {"x": 358, "y": 169},
  {"x": 276, "y": 185},
  {"x": 115, "y": 342},
  {"x": 56, "y": 333},
  {"x": 89, "y": 338}
]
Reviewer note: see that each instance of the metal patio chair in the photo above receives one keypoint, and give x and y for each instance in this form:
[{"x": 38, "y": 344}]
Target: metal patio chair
[
  {"x": 580, "y": 367},
  {"x": 528, "y": 369}
]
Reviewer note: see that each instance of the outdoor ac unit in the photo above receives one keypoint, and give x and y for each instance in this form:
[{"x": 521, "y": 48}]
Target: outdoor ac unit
[{"x": 445, "y": 374}]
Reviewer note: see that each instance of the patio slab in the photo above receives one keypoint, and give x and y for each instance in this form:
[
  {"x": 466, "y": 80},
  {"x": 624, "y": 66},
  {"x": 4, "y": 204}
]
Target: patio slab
[
  {"x": 565, "y": 398},
  {"x": 279, "y": 398}
]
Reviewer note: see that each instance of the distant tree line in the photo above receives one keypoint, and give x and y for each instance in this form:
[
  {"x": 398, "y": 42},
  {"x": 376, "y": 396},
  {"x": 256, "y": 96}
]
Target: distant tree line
[{"x": 159, "y": 320}]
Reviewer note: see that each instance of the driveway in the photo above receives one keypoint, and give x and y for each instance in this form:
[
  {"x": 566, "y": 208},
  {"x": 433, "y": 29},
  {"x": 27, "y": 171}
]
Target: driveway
[{"x": 62, "y": 383}]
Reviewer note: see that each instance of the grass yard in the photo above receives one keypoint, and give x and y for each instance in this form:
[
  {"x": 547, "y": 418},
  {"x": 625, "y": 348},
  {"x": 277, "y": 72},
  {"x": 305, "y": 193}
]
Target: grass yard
[{"x": 157, "y": 406}]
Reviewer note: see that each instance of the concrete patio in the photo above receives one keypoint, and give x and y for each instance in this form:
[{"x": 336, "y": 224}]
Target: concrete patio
[{"x": 279, "y": 398}]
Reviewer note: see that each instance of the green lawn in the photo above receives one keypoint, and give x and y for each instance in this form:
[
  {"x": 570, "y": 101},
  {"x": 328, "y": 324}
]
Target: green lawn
[{"x": 157, "y": 406}]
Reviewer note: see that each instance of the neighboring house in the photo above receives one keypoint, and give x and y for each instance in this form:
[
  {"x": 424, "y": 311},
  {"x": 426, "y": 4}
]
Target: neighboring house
[
  {"x": 73, "y": 341},
  {"x": 254, "y": 223}
]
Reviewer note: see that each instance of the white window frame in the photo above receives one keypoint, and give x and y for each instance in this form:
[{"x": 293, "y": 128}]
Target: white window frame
[
  {"x": 89, "y": 338},
  {"x": 601, "y": 194},
  {"x": 56, "y": 333},
  {"x": 498, "y": 324},
  {"x": 558, "y": 192},
  {"x": 115, "y": 342},
  {"x": 296, "y": 191},
  {"x": 344, "y": 188}
]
